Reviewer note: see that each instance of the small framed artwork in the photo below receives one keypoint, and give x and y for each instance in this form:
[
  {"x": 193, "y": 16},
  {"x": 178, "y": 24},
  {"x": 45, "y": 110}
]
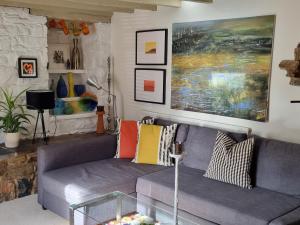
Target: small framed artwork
[
  {"x": 150, "y": 85},
  {"x": 58, "y": 55},
  {"x": 27, "y": 67},
  {"x": 151, "y": 47}
]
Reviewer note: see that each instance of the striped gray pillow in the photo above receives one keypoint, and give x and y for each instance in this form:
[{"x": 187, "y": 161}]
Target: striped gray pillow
[{"x": 231, "y": 161}]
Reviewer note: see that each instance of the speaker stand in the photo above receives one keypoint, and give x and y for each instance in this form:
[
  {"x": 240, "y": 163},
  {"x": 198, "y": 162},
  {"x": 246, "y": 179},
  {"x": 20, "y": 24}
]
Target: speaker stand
[{"x": 40, "y": 115}]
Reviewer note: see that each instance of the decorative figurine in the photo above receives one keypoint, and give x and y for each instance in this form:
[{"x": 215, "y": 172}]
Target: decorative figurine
[
  {"x": 100, "y": 123},
  {"x": 68, "y": 64},
  {"x": 292, "y": 67}
]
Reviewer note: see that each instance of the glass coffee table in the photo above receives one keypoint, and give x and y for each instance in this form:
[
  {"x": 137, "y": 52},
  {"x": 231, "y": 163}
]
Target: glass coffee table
[{"x": 117, "y": 208}]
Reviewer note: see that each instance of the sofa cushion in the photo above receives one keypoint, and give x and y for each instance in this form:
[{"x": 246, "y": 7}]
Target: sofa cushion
[
  {"x": 155, "y": 144},
  {"x": 163, "y": 122},
  {"x": 199, "y": 145},
  {"x": 278, "y": 166},
  {"x": 231, "y": 161},
  {"x": 127, "y": 139},
  {"x": 182, "y": 132},
  {"x": 215, "y": 201},
  {"x": 75, "y": 183},
  {"x": 182, "y": 129}
]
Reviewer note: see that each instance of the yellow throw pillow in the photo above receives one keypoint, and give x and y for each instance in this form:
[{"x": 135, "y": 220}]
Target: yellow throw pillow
[{"x": 155, "y": 144}]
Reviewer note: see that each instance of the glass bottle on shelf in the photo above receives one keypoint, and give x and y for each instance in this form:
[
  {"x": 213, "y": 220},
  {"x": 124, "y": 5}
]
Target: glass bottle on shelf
[
  {"x": 75, "y": 58},
  {"x": 71, "y": 85}
]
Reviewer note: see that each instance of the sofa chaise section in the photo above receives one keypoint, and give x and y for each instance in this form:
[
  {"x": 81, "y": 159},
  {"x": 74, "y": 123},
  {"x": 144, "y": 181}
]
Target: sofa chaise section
[
  {"x": 215, "y": 201},
  {"x": 275, "y": 199},
  {"x": 72, "y": 172}
]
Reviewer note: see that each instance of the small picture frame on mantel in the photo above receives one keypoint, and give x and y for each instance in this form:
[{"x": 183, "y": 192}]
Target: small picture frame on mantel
[
  {"x": 27, "y": 67},
  {"x": 150, "y": 85},
  {"x": 58, "y": 56},
  {"x": 151, "y": 47}
]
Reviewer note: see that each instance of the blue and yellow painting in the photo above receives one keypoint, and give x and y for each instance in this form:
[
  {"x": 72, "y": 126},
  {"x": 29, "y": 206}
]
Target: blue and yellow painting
[{"x": 223, "y": 67}]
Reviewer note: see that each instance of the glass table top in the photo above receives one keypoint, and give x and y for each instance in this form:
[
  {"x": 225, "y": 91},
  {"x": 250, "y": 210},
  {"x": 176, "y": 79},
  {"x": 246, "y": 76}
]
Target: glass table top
[{"x": 117, "y": 208}]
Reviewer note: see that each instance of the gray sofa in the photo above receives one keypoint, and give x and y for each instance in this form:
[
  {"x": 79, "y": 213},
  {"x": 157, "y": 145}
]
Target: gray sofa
[{"x": 69, "y": 172}]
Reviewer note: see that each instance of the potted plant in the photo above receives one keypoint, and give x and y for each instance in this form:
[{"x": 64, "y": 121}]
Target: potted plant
[{"x": 12, "y": 118}]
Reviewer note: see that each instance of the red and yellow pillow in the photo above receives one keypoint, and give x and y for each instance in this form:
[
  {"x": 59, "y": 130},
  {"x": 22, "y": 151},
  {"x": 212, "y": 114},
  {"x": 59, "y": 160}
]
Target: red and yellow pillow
[
  {"x": 155, "y": 144},
  {"x": 128, "y": 138}
]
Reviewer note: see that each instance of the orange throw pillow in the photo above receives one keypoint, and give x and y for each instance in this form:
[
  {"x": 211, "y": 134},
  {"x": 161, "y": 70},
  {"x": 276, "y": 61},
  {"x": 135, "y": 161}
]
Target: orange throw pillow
[{"x": 128, "y": 138}]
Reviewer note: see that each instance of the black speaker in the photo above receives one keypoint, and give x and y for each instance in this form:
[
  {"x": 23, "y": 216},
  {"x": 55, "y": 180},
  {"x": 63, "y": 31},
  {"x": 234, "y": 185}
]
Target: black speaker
[{"x": 40, "y": 99}]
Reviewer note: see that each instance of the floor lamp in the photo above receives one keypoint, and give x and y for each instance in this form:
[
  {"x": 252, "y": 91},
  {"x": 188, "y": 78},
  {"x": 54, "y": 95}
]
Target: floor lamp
[
  {"x": 177, "y": 156},
  {"x": 110, "y": 99}
]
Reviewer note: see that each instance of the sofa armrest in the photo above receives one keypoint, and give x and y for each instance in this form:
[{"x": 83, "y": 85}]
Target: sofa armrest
[
  {"x": 291, "y": 218},
  {"x": 55, "y": 156}
]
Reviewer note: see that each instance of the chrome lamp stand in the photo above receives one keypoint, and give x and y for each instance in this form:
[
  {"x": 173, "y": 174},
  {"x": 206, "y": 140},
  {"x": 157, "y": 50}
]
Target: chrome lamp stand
[
  {"x": 111, "y": 115},
  {"x": 177, "y": 158}
]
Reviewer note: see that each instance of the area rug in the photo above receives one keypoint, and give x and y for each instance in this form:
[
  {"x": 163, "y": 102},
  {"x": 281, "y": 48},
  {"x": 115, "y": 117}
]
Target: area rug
[{"x": 26, "y": 211}]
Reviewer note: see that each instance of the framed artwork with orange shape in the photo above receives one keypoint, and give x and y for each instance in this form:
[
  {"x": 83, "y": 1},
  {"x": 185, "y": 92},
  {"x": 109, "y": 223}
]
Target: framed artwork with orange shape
[
  {"x": 27, "y": 67},
  {"x": 150, "y": 85}
]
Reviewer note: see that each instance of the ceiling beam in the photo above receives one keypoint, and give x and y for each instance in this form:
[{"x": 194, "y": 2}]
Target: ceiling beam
[
  {"x": 118, "y": 3},
  {"x": 172, "y": 3},
  {"x": 90, "y": 10},
  {"x": 200, "y": 1},
  {"x": 71, "y": 16},
  {"x": 59, "y": 4}
]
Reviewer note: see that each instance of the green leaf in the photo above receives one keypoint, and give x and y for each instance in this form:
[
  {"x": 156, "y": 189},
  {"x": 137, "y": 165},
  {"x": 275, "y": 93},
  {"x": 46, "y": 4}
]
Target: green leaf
[{"x": 13, "y": 114}]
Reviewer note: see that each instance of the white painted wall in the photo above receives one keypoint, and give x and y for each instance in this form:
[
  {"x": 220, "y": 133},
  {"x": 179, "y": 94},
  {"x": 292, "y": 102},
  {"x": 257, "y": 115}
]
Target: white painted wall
[
  {"x": 284, "y": 122},
  {"x": 22, "y": 34}
]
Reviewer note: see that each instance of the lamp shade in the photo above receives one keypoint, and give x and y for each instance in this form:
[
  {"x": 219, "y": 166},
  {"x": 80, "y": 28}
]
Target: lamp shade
[
  {"x": 93, "y": 83},
  {"x": 40, "y": 99}
]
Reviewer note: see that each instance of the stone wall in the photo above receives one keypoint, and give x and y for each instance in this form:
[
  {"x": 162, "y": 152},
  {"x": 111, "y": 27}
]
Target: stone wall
[
  {"x": 18, "y": 176},
  {"x": 18, "y": 167},
  {"x": 22, "y": 35}
]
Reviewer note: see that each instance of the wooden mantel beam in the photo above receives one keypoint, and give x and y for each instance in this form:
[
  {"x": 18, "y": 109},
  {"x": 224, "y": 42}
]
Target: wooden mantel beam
[
  {"x": 59, "y": 4},
  {"x": 117, "y": 3},
  {"x": 200, "y": 1},
  {"x": 72, "y": 16},
  {"x": 90, "y": 10},
  {"x": 171, "y": 3}
]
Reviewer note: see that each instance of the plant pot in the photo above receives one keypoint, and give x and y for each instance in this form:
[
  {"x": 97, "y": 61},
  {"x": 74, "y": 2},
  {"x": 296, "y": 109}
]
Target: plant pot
[{"x": 12, "y": 140}]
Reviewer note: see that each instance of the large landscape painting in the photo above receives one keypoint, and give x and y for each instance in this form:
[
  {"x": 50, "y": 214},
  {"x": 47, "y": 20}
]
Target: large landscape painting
[{"x": 223, "y": 67}]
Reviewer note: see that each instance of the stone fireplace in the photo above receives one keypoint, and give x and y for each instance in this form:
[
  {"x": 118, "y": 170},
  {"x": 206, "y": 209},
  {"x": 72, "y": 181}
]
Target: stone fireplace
[{"x": 18, "y": 173}]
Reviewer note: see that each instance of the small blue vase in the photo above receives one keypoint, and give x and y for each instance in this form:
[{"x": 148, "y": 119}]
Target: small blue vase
[
  {"x": 79, "y": 89},
  {"x": 61, "y": 88}
]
